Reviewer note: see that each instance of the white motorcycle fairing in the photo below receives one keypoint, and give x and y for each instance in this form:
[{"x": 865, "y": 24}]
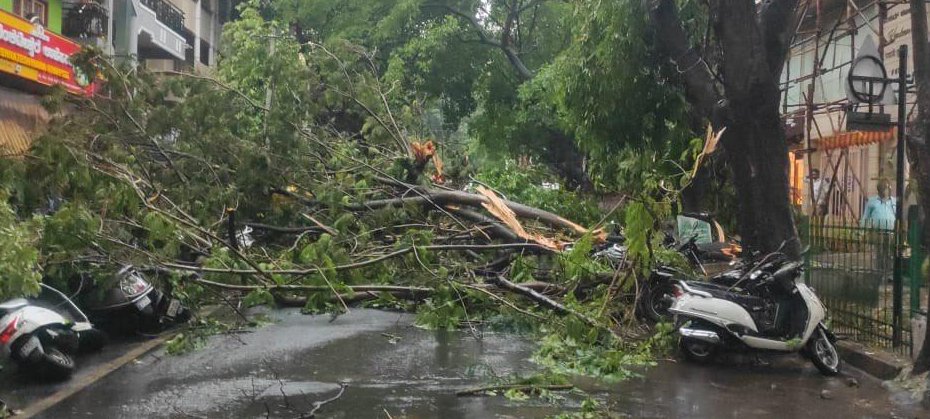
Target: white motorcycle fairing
[
  {"x": 26, "y": 321},
  {"x": 716, "y": 311}
]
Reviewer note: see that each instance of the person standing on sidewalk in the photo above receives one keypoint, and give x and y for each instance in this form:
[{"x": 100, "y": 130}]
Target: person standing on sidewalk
[
  {"x": 818, "y": 203},
  {"x": 880, "y": 209},
  {"x": 879, "y": 218}
]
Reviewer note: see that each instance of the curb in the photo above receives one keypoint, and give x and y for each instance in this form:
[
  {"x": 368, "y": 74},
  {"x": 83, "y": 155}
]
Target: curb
[{"x": 879, "y": 364}]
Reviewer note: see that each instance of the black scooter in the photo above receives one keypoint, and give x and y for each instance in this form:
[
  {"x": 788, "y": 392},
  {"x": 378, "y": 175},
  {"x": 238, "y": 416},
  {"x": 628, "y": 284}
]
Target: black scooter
[{"x": 132, "y": 305}]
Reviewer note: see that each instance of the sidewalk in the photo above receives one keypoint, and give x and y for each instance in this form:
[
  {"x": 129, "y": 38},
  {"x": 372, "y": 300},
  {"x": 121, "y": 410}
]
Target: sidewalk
[{"x": 875, "y": 362}]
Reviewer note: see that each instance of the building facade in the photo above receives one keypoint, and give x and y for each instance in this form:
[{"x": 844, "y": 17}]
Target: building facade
[
  {"x": 814, "y": 103},
  {"x": 178, "y": 35},
  {"x": 37, "y": 37}
]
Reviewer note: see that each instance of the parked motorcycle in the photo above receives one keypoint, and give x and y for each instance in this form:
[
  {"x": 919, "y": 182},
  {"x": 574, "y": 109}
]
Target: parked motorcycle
[
  {"x": 768, "y": 309},
  {"x": 656, "y": 293},
  {"x": 43, "y": 340},
  {"x": 132, "y": 305}
]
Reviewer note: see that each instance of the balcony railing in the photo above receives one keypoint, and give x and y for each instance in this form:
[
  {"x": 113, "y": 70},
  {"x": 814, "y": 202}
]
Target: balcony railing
[
  {"x": 167, "y": 13},
  {"x": 84, "y": 19}
]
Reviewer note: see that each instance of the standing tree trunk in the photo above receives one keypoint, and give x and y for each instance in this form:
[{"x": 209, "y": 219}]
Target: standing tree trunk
[
  {"x": 918, "y": 144},
  {"x": 744, "y": 98}
]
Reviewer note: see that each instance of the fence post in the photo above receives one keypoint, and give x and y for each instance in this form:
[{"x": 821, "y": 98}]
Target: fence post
[
  {"x": 917, "y": 256},
  {"x": 804, "y": 225},
  {"x": 899, "y": 187}
]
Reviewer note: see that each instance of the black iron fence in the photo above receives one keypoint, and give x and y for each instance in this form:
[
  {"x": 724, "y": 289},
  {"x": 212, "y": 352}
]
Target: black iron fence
[
  {"x": 852, "y": 270},
  {"x": 167, "y": 13}
]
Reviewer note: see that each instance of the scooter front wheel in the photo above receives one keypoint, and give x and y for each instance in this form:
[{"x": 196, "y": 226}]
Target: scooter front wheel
[
  {"x": 697, "y": 350},
  {"x": 823, "y": 353},
  {"x": 55, "y": 365}
]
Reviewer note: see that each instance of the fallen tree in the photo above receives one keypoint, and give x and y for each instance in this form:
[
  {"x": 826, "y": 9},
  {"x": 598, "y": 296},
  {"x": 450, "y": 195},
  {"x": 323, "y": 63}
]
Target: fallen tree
[{"x": 154, "y": 174}]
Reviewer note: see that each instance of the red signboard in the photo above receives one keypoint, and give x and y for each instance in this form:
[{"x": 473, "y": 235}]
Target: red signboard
[{"x": 29, "y": 51}]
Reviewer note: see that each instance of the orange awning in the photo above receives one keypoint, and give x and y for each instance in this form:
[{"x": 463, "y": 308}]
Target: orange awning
[
  {"x": 22, "y": 119},
  {"x": 855, "y": 138},
  {"x": 14, "y": 139}
]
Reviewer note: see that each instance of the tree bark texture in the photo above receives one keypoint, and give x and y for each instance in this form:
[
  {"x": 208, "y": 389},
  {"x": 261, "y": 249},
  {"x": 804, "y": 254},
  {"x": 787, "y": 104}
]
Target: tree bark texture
[{"x": 918, "y": 144}]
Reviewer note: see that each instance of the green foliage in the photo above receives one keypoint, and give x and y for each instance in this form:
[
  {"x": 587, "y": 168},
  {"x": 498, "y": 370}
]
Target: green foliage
[
  {"x": 194, "y": 336},
  {"x": 664, "y": 340},
  {"x": 258, "y": 297},
  {"x": 611, "y": 362},
  {"x": 69, "y": 229},
  {"x": 614, "y": 92},
  {"x": 591, "y": 408},
  {"x": 443, "y": 310},
  {"x": 578, "y": 263},
  {"x": 20, "y": 272}
]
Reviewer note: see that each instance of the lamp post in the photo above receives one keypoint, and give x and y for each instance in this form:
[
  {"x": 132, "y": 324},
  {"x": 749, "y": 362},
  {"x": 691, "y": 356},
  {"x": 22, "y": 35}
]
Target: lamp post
[{"x": 867, "y": 84}]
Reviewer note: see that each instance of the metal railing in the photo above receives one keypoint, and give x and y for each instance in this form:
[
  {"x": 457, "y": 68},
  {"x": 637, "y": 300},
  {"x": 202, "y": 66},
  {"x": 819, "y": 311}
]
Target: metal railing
[
  {"x": 84, "y": 19},
  {"x": 852, "y": 270},
  {"x": 167, "y": 13}
]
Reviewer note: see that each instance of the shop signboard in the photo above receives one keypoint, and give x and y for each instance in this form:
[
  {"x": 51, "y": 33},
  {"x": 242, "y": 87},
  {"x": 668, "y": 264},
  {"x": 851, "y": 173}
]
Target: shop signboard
[{"x": 29, "y": 51}]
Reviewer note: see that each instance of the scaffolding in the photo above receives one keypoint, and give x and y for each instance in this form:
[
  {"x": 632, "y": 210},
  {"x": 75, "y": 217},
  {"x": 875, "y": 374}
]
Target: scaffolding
[
  {"x": 849, "y": 265},
  {"x": 813, "y": 91}
]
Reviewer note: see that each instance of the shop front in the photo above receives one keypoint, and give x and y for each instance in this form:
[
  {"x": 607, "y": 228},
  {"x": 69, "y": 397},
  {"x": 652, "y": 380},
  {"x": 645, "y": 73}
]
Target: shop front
[{"x": 33, "y": 59}]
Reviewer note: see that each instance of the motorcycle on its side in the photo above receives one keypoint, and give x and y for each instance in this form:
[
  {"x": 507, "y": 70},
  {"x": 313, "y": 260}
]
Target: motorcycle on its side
[
  {"x": 769, "y": 310},
  {"x": 42, "y": 335},
  {"x": 132, "y": 304}
]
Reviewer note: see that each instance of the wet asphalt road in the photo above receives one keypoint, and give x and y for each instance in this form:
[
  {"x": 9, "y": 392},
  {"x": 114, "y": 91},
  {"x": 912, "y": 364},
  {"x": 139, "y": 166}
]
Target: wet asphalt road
[
  {"x": 395, "y": 369},
  {"x": 17, "y": 389}
]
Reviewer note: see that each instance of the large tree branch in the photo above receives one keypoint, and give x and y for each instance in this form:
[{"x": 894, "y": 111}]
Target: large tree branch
[
  {"x": 542, "y": 300},
  {"x": 504, "y": 45},
  {"x": 360, "y": 264},
  {"x": 529, "y": 5},
  {"x": 778, "y": 19},
  {"x": 672, "y": 40},
  {"x": 444, "y": 198}
]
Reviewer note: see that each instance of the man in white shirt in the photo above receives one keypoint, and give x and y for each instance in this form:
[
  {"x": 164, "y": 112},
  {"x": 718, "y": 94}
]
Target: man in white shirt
[{"x": 818, "y": 203}]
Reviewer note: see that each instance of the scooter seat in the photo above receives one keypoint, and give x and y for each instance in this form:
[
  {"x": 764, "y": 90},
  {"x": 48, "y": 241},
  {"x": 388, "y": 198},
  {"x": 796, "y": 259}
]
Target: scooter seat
[{"x": 13, "y": 305}]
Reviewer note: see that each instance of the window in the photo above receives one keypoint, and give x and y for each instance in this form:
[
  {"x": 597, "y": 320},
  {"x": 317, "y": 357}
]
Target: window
[{"x": 32, "y": 8}]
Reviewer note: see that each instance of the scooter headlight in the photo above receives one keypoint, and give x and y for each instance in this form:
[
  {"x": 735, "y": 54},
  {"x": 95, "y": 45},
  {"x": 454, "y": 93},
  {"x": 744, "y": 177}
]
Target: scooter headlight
[{"x": 132, "y": 283}]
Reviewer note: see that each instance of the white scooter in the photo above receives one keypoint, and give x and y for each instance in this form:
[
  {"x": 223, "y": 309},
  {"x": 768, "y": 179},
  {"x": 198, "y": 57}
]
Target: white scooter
[
  {"x": 41, "y": 340},
  {"x": 775, "y": 313}
]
